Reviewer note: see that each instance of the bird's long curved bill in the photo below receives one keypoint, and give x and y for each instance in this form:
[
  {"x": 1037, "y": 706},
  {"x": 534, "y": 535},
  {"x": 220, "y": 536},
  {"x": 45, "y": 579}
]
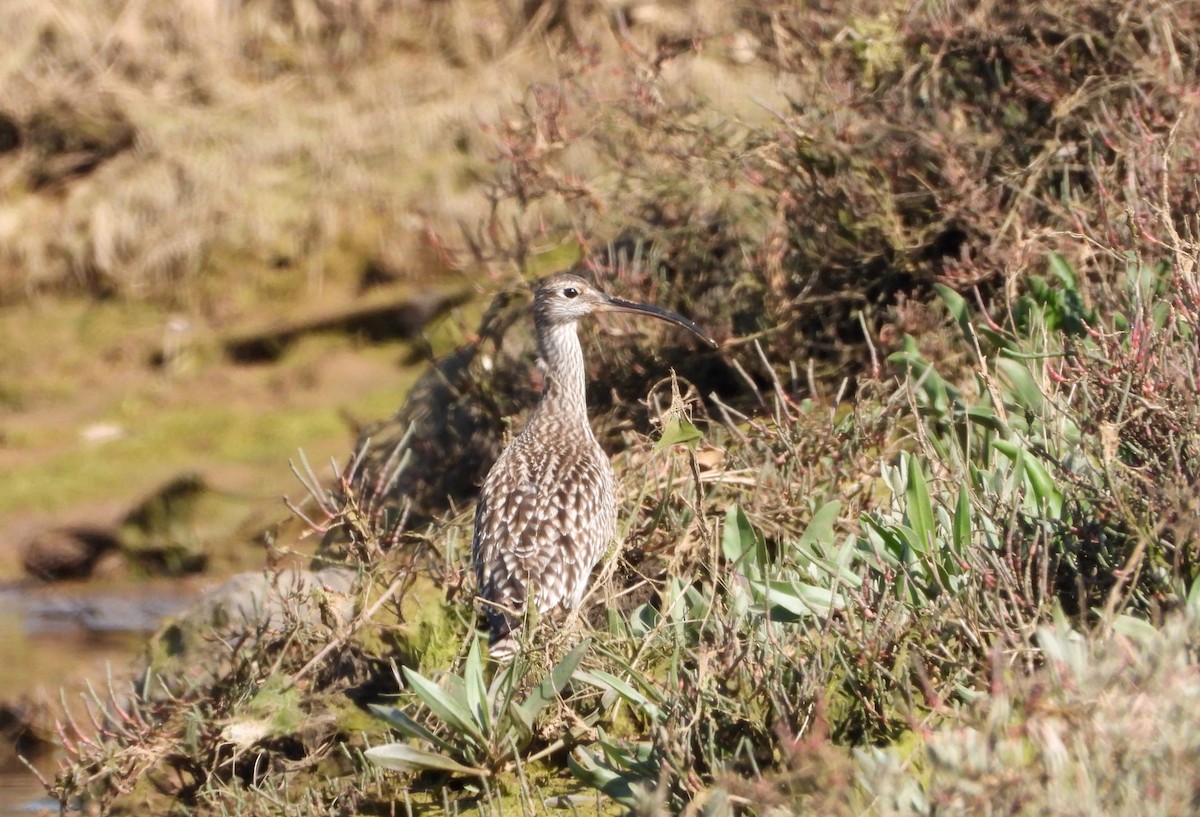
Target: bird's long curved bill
[{"x": 622, "y": 305}]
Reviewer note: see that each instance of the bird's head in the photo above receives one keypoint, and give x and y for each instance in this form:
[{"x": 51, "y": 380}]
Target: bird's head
[{"x": 564, "y": 298}]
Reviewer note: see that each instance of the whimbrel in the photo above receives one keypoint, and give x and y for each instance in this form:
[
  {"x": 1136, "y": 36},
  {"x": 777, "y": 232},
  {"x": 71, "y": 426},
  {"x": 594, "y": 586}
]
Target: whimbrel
[{"x": 548, "y": 509}]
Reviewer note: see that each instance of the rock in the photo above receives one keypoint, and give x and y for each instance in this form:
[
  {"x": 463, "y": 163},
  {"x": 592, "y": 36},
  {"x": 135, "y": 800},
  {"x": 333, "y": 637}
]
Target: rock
[
  {"x": 66, "y": 553},
  {"x": 244, "y": 617},
  {"x": 26, "y": 731},
  {"x": 269, "y": 602},
  {"x": 160, "y": 534}
]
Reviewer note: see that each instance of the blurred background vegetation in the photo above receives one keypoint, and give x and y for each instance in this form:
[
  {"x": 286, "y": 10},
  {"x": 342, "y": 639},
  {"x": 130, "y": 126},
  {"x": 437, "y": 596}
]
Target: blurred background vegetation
[{"x": 920, "y": 538}]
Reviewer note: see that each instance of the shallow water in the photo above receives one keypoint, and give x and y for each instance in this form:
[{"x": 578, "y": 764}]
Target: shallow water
[
  {"x": 58, "y": 637},
  {"x": 21, "y": 795}
]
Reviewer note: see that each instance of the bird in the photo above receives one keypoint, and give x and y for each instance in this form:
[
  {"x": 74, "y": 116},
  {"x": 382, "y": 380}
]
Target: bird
[{"x": 547, "y": 510}]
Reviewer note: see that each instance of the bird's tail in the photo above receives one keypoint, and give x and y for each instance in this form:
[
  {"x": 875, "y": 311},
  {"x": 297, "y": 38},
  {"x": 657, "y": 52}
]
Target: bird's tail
[
  {"x": 503, "y": 634},
  {"x": 503, "y": 647}
]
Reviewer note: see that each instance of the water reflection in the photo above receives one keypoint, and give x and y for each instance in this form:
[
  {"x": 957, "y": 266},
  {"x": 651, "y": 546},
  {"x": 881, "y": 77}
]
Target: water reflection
[{"x": 60, "y": 636}]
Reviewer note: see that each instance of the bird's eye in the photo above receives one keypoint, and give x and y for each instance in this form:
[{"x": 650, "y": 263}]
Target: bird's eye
[{"x": 570, "y": 292}]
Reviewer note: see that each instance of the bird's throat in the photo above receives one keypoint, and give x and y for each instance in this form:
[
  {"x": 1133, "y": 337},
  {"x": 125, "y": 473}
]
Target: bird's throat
[{"x": 566, "y": 379}]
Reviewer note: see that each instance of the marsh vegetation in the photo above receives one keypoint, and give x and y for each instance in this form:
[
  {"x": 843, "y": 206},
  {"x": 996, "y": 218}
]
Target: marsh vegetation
[{"x": 920, "y": 538}]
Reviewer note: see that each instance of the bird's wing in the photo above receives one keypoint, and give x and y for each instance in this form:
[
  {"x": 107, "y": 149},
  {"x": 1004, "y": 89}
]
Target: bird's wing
[{"x": 540, "y": 525}]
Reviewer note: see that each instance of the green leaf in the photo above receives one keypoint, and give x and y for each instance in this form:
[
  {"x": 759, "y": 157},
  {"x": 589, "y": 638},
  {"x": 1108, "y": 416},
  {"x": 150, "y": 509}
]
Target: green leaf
[
  {"x": 520, "y": 726},
  {"x": 501, "y": 692},
  {"x": 1193, "y": 597},
  {"x": 622, "y": 689},
  {"x": 1049, "y": 499},
  {"x": 642, "y": 621},
  {"x": 740, "y": 543},
  {"x": 476, "y": 689},
  {"x": 920, "y": 508},
  {"x": 798, "y": 599},
  {"x": 398, "y": 718},
  {"x": 1063, "y": 271},
  {"x": 552, "y": 684},
  {"x": 1021, "y": 384},
  {"x": 1008, "y": 448},
  {"x": 938, "y": 393},
  {"x": 894, "y": 548},
  {"x": 1000, "y": 340},
  {"x": 678, "y": 430},
  {"x": 915, "y": 546},
  {"x": 456, "y": 714},
  {"x": 613, "y": 784},
  {"x": 675, "y": 601},
  {"x": 819, "y": 533},
  {"x": 638, "y": 758},
  {"x": 834, "y": 561},
  {"x": 961, "y": 528},
  {"x": 401, "y": 757},
  {"x": 1136, "y": 629},
  {"x": 957, "y": 305},
  {"x": 842, "y": 561},
  {"x": 986, "y": 417},
  {"x": 1044, "y": 489}
]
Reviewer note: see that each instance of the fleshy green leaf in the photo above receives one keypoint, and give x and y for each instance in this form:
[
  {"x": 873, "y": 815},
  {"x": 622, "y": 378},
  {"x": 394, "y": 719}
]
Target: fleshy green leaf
[
  {"x": 1048, "y": 496},
  {"x": 915, "y": 544},
  {"x": 957, "y": 306},
  {"x": 1193, "y": 597},
  {"x": 894, "y": 549},
  {"x": 1041, "y": 484},
  {"x": 599, "y": 776},
  {"x": 1021, "y": 383},
  {"x": 1063, "y": 270},
  {"x": 842, "y": 560},
  {"x": 820, "y": 528},
  {"x": 622, "y": 689},
  {"x": 962, "y": 521},
  {"x": 798, "y": 599},
  {"x": 740, "y": 543},
  {"x": 476, "y": 689},
  {"x": 455, "y": 713},
  {"x": 1136, "y": 629},
  {"x": 552, "y": 684},
  {"x": 938, "y": 392},
  {"x": 520, "y": 725},
  {"x": 401, "y": 757},
  {"x": 986, "y": 417},
  {"x": 398, "y": 718},
  {"x": 678, "y": 430},
  {"x": 920, "y": 508}
]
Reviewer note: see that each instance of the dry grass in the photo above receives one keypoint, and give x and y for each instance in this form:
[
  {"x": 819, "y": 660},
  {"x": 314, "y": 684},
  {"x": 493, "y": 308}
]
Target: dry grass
[
  {"x": 173, "y": 152},
  {"x": 296, "y": 143}
]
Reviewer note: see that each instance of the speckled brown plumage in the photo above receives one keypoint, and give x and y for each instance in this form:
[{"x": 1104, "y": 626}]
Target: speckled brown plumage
[{"x": 548, "y": 508}]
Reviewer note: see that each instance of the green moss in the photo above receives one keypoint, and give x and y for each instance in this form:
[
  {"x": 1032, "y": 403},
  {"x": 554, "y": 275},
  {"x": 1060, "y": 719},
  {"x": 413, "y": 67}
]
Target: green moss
[
  {"x": 432, "y": 630},
  {"x": 280, "y": 706},
  {"x": 559, "y": 257},
  {"x": 351, "y": 718},
  {"x": 162, "y": 440},
  {"x": 444, "y": 336},
  {"x": 878, "y": 44}
]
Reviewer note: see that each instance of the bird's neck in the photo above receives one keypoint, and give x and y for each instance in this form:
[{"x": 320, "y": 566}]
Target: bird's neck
[{"x": 566, "y": 380}]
